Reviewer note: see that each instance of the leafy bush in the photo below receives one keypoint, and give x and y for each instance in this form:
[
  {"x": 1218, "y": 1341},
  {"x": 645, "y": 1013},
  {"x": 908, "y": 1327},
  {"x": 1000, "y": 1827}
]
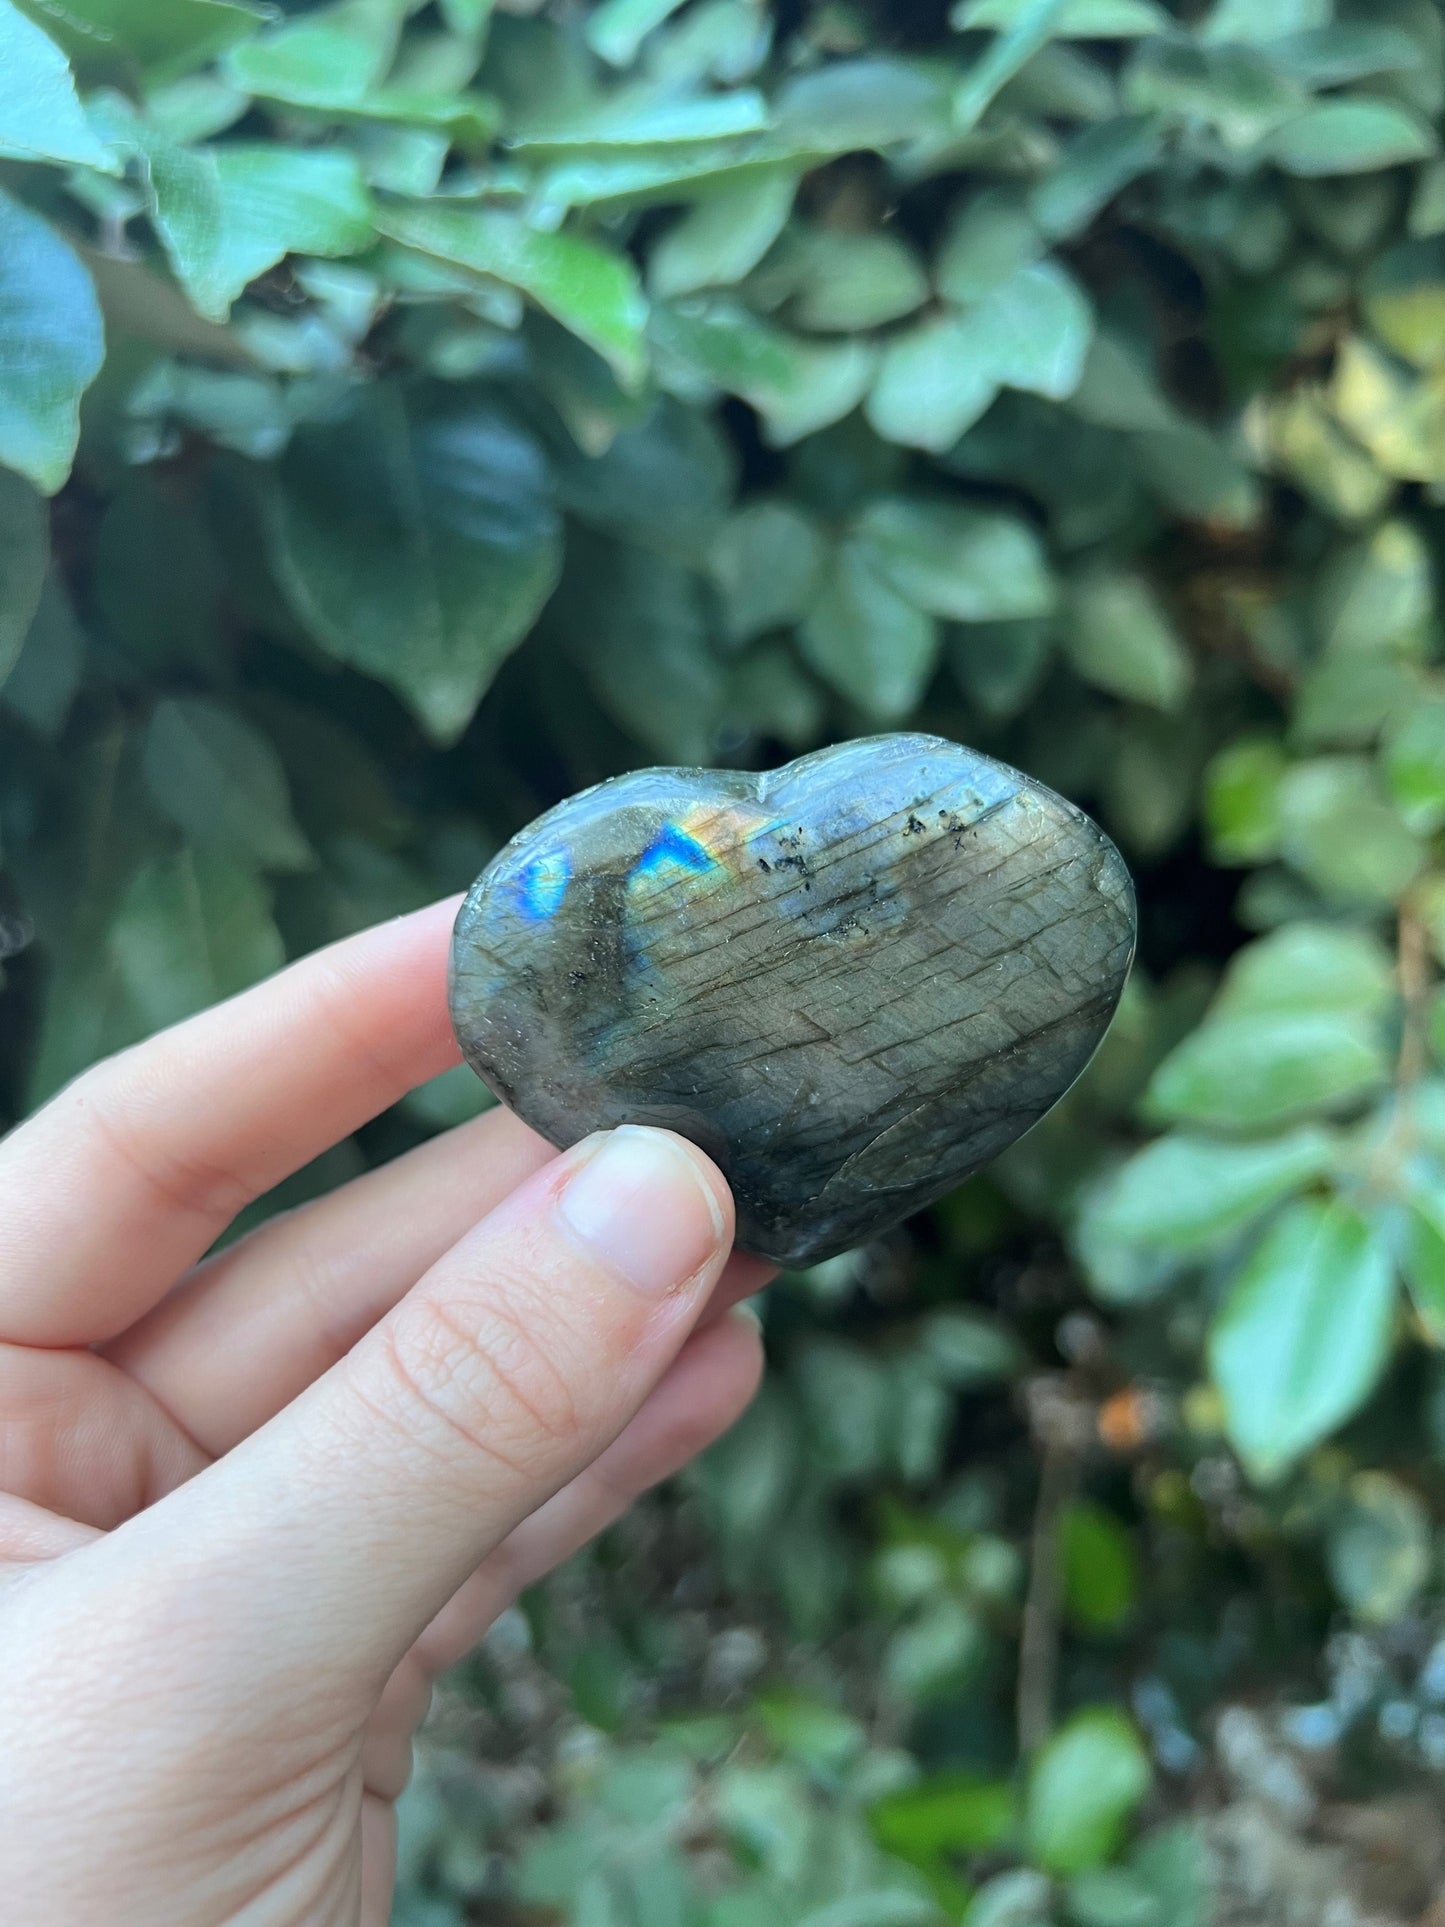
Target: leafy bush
[{"x": 470, "y": 405}]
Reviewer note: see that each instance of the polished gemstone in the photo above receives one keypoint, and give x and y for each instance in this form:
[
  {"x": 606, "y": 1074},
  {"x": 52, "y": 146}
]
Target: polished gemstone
[{"x": 852, "y": 980}]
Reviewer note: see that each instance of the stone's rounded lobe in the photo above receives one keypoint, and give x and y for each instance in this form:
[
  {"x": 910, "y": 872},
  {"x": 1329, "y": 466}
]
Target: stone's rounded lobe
[{"x": 852, "y": 980}]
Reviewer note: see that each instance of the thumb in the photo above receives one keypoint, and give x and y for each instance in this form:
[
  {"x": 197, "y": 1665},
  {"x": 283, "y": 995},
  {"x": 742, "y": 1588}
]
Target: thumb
[{"x": 336, "y": 1532}]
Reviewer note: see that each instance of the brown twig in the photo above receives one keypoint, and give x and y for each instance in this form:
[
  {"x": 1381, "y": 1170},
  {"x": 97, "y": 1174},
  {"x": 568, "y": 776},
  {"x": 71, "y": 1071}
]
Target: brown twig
[
  {"x": 1415, "y": 979},
  {"x": 1062, "y": 1425}
]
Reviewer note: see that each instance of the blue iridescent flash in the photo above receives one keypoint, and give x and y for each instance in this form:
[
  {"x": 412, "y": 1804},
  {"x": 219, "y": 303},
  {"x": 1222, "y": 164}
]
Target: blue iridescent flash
[
  {"x": 540, "y": 885},
  {"x": 675, "y": 846}
]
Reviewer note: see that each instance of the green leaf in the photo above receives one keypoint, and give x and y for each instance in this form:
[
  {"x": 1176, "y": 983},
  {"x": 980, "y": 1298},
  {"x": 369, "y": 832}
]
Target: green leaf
[
  {"x": 1300, "y": 1342},
  {"x": 1100, "y": 1568},
  {"x": 1191, "y": 1194},
  {"x": 1261, "y": 1071},
  {"x": 1264, "y": 21},
  {"x": 1239, "y": 93},
  {"x": 1118, "y": 637},
  {"x": 51, "y": 347},
  {"x": 937, "y": 1655},
  {"x": 1097, "y": 165},
  {"x": 1377, "y": 596},
  {"x": 865, "y": 638},
  {"x": 1117, "y": 389},
  {"x": 931, "y": 385},
  {"x": 1379, "y": 1549},
  {"x": 769, "y": 693},
  {"x": 1018, "y": 1898},
  {"x": 24, "y": 558},
  {"x": 1078, "y": 20},
  {"x": 189, "y": 932},
  {"x": 417, "y": 540},
  {"x": 1032, "y": 331},
  {"x": 164, "y": 38},
  {"x": 617, "y": 28},
  {"x": 646, "y": 121},
  {"x": 1197, "y": 476},
  {"x": 41, "y": 119},
  {"x": 853, "y": 282},
  {"x": 1339, "y": 830},
  {"x": 877, "y": 101},
  {"x": 723, "y": 235},
  {"x": 1344, "y": 51},
  {"x": 999, "y": 666},
  {"x": 767, "y": 563},
  {"x": 797, "y": 386},
  {"x": 1349, "y": 137},
  {"x": 1414, "y": 756},
  {"x": 944, "y": 1814},
  {"x": 1404, "y": 301},
  {"x": 1083, "y": 1789},
  {"x": 589, "y": 289},
  {"x": 1028, "y": 331},
  {"x": 989, "y": 238},
  {"x": 228, "y": 213},
  {"x": 1310, "y": 967},
  {"x": 1173, "y": 1864},
  {"x": 1422, "y": 1259},
  {"x": 221, "y": 783},
  {"x": 1241, "y": 801},
  {"x": 1346, "y": 700},
  {"x": 1029, "y": 26},
  {"x": 665, "y": 482},
  {"x": 974, "y": 565},
  {"x": 634, "y": 624},
  {"x": 1110, "y": 1897},
  {"x": 963, "y": 1349},
  {"x": 1150, "y": 786},
  {"x": 332, "y": 54}
]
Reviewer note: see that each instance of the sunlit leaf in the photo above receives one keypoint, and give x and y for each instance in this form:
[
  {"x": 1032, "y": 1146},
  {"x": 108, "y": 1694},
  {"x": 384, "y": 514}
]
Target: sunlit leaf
[
  {"x": 1190, "y": 1194},
  {"x": 1304, "y": 1334},
  {"x": 1118, "y": 636},
  {"x": 588, "y": 288},
  {"x": 723, "y": 235},
  {"x": 41, "y": 118},
  {"x": 51, "y": 345},
  {"x": 866, "y": 638},
  {"x": 1258, "y": 1071},
  {"x": 1349, "y": 137},
  {"x": 974, "y": 565},
  {"x": 1083, "y": 1788}
]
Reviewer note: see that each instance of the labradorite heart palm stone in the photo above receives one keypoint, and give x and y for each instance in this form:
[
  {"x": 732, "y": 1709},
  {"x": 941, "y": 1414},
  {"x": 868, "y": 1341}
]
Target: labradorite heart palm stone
[{"x": 852, "y": 980}]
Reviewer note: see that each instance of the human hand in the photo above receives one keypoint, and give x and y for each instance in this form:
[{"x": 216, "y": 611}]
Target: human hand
[{"x": 254, "y": 1503}]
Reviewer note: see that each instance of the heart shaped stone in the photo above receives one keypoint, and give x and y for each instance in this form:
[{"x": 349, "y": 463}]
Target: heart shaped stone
[{"x": 852, "y": 980}]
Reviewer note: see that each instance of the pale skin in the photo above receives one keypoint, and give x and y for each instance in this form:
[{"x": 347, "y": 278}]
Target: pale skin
[{"x": 252, "y": 1504}]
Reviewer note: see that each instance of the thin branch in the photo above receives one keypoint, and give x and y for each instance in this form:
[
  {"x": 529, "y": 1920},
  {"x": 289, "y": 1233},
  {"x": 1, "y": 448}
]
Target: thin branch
[
  {"x": 1056, "y": 1424},
  {"x": 1416, "y": 983}
]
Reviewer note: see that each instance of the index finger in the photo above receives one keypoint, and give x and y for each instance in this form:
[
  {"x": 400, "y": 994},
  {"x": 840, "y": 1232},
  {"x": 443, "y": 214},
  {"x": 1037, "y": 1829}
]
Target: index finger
[{"x": 126, "y": 1178}]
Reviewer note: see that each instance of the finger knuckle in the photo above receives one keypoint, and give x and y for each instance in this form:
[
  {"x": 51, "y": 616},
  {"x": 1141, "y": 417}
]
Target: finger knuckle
[
  {"x": 493, "y": 1380},
  {"x": 108, "y": 1112}
]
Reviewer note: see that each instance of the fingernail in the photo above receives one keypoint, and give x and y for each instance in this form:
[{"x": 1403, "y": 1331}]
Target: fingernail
[{"x": 643, "y": 1205}]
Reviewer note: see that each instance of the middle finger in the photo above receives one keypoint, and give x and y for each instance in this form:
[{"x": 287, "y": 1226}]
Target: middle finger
[
  {"x": 251, "y": 1327},
  {"x": 254, "y": 1325}
]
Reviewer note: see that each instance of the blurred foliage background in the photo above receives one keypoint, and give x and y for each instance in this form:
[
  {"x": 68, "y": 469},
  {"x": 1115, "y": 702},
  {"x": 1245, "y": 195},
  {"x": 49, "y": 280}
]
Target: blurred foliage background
[{"x": 412, "y": 412}]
